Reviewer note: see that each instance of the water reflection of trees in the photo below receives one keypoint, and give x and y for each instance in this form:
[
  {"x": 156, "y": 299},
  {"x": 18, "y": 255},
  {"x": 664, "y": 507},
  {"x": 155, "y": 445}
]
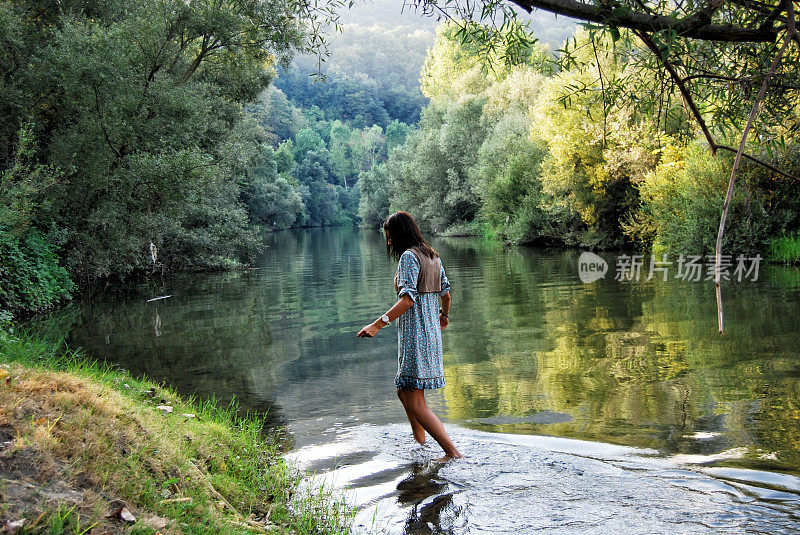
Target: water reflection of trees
[
  {"x": 285, "y": 328},
  {"x": 632, "y": 363}
]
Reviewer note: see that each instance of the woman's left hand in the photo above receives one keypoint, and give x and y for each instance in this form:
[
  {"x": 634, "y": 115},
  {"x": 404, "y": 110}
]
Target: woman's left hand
[
  {"x": 369, "y": 331},
  {"x": 444, "y": 321}
]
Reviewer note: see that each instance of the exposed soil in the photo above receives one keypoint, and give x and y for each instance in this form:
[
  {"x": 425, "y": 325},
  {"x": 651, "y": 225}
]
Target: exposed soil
[{"x": 37, "y": 477}]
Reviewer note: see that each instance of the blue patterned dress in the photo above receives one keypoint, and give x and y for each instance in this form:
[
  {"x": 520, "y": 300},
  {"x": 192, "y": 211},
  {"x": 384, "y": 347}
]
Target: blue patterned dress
[{"x": 419, "y": 333}]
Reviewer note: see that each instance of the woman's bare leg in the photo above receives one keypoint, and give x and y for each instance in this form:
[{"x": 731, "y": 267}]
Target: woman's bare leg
[
  {"x": 419, "y": 432},
  {"x": 414, "y": 402}
]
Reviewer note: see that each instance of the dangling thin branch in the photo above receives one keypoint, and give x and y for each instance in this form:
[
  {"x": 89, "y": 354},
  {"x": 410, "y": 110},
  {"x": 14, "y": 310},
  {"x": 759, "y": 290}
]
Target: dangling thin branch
[
  {"x": 760, "y": 162},
  {"x": 602, "y": 92},
  {"x": 736, "y": 162}
]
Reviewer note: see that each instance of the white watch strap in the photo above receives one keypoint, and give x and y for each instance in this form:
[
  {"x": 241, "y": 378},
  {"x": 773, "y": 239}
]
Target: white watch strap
[{"x": 385, "y": 319}]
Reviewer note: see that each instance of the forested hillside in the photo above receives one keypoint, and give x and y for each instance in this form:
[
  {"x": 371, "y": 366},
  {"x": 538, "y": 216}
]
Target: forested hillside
[
  {"x": 309, "y": 175},
  {"x": 373, "y": 72},
  {"x": 331, "y": 121}
]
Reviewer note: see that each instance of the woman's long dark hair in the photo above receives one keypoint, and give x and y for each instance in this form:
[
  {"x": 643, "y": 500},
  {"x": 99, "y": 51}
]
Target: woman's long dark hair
[{"x": 401, "y": 228}]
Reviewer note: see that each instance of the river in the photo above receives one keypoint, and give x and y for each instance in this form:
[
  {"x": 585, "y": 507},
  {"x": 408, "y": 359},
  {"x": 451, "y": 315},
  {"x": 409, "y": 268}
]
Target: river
[{"x": 604, "y": 407}]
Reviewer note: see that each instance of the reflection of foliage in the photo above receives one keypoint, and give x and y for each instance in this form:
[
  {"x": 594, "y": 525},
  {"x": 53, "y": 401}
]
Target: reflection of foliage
[
  {"x": 635, "y": 363},
  {"x": 638, "y": 364}
]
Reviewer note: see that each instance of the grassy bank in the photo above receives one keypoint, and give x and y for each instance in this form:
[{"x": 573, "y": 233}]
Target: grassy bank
[
  {"x": 785, "y": 249},
  {"x": 79, "y": 440}
]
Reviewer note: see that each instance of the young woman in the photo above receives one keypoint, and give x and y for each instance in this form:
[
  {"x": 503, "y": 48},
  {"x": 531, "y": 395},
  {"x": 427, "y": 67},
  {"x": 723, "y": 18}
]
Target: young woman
[{"x": 420, "y": 282}]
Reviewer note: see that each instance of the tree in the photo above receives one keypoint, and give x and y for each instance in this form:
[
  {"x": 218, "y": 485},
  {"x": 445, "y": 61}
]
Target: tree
[
  {"x": 276, "y": 115},
  {"x": 396, "y": 134},
  {"x": 507, "y": 180},
  {"x": 271, "y": 199},
  {"x": 306, "y": 140},
  {"x": 340, "y": 150},
  {"x": 284, "y": 157},
  {"x": 372, "y": 140},
  {"x": 375, "y": 189},
  {"x": 430, "y": 173},
  {"x": 320, "y": 197}
]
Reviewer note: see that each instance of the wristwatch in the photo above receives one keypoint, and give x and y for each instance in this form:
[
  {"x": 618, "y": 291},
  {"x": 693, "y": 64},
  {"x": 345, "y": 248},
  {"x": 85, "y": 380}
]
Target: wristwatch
[
  {"x": 443, "y": 314},
  {"x": 385, "y": 319}
]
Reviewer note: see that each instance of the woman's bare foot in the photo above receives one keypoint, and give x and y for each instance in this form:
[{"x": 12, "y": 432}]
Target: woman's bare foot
[{"x": 448, "y": 458}]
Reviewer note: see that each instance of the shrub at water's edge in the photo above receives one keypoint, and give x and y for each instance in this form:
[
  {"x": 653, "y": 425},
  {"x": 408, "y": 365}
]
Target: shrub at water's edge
[
  {"x": 31, "y": 275},
  {"x": 91, "y": 437}
]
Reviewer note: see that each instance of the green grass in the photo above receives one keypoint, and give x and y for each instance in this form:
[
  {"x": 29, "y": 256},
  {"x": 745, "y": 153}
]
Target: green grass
[
  {"x": 67, "y": 521},
  {"x": 101, "y": 428},
  {"x": 785, "y": 249}
]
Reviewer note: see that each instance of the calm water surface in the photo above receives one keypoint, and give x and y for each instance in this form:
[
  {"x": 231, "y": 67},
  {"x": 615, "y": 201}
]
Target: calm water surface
[{"x": 611, "y": 407}]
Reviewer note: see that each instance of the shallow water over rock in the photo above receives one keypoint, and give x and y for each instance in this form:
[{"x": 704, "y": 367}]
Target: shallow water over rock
[{"x": 537, "y": 484}]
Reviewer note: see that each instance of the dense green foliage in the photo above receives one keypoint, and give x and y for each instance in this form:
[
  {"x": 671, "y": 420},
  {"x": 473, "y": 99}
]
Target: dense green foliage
[
  {"x": 786, "y": 248},
  {"x": 526, "y": 154},
  {"x": 125, "y": 147},
  {"x": 682, "y": 199},
  {"x": 145, "y": 136},
  {"x": 354, "y": 98},
  {"x": 31, "y": 276},
  {"x": 340, "y": 120}
]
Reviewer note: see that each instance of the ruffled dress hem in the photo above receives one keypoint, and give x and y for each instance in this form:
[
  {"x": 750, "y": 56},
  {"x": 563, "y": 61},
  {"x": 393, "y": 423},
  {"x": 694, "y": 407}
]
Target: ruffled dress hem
[{"x": 405, "y": 382}]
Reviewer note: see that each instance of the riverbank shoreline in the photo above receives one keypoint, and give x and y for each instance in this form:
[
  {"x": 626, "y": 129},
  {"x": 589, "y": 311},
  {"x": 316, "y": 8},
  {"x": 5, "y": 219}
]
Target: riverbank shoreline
[{"x": 85, "y": 447}]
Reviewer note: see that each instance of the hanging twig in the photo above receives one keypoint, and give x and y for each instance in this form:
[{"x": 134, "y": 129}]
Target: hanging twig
[
  {"x": 732, "y": 181},
  {"x": 602, "y": 91}
]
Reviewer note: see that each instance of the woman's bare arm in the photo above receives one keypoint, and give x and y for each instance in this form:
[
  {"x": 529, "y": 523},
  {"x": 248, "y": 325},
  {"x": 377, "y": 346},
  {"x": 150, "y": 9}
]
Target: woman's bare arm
[
  {"x": 401, "y": 307},
  {"x": 444, "y": 317}
]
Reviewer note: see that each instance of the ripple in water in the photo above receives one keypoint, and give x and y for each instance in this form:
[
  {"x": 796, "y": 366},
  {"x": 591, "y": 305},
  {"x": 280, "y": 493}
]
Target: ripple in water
[{"x": 536, "y": 484}]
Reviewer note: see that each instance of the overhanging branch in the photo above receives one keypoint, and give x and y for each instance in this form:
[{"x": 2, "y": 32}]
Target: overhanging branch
[
  {"x": 697, "y": 26},
  {"x": 687, "y": 96}
]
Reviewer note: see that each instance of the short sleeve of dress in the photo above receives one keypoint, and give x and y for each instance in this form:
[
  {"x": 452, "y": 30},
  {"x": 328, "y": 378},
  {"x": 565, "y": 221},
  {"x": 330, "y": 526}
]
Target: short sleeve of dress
[
  {"x": 407, "y": 275},
  {"x": 445, "y": 283}
]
